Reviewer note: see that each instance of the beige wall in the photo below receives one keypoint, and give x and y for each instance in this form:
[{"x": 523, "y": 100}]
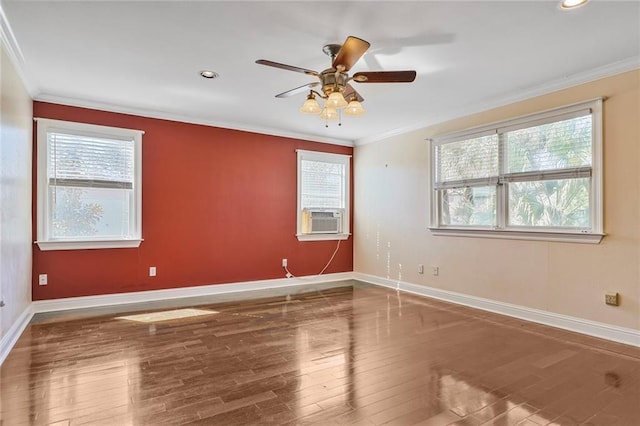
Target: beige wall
[
  {"x": 15, "y": 194},
  {"x": 391, "y": 219}
]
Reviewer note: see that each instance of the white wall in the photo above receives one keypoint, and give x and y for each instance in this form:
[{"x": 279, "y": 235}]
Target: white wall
[
  {"x": 15, "y": 195},
  {"x": 391, "y": 219}
]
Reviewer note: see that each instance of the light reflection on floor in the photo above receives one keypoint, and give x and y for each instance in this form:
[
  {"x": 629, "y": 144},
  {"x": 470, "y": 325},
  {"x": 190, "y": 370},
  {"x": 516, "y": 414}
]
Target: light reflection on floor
[
  {"x": 349, "y": 355},
  {"x": 167, "y": 315}
]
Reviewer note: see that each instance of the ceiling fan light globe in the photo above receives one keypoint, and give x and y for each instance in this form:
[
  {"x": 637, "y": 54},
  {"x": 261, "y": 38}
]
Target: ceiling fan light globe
[
  {"x": 572, "y": 4},
  {"x": 329, "y": 113},
  {"x": 354, "y": 109},
  {"x": 336, "y": 101},
  {"x": 310, "y": 106}
]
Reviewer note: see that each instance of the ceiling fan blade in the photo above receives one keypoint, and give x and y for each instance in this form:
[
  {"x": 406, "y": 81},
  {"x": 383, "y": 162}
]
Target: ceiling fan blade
[
  {"x": 385, "y": 76},
  {"x": 352, "y": 49},
  {"x": 350, "y": 92},
  {"x": 285, "y": 67},
  {"x": 297, "y": 90}
]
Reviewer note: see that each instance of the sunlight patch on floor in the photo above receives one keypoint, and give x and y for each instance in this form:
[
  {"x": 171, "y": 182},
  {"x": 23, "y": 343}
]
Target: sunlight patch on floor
[{"x": 167, "y": 315}]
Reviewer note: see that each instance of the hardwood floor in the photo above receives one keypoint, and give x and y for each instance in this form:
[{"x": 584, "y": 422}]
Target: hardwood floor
[{"x": 350, "y": 355}]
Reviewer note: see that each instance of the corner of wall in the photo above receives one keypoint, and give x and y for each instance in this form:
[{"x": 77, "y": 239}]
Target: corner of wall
[{"x": 16, "y": 115}]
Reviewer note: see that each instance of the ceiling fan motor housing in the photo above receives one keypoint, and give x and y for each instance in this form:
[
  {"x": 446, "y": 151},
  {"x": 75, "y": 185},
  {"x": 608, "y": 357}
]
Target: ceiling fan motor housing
[{"x": 333, "y": 81}]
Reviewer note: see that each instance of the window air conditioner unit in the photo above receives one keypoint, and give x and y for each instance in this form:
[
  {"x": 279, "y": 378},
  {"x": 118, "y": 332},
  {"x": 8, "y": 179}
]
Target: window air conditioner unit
[{"x": 322, "y": 221}]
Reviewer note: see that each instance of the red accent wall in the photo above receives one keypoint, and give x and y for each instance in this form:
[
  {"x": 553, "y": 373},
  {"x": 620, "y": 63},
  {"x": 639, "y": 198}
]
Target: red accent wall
[{"x": 218, "y": 206}]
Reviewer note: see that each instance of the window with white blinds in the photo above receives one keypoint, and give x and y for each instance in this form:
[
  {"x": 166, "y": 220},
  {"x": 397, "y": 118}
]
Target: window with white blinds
[
  {"x": 536, "y": 174},
  {"x": 323, "y": 188},
  {"x": 89, "y": 186}
]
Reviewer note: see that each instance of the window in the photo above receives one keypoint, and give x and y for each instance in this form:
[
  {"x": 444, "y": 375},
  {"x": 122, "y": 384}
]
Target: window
[
  {"x": 535, "y": 177},
  {"x": 89, "y": 186},
  {"x": 323, "y": 196}
]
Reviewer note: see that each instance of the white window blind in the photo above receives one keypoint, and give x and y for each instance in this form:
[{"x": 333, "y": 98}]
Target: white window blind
[
  {"x": 536, "y": 173},
  {"x": 468, "y": 162},
  {"x": 323, "y": 184},
  {"x": 560, "y": 145},
  {"x": 85, "y": 161}
]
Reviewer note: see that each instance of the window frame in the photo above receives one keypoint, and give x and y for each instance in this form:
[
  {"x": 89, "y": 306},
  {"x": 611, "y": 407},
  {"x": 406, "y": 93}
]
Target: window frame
[
  {"x": 346, "y": 217},
  {"x": 592, "y": 235},
  {"x": 44, "y": 240}
]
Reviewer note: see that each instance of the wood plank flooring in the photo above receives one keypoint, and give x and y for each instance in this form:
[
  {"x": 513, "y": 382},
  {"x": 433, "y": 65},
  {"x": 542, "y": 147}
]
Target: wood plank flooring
[{"x": 350, "y": 355}]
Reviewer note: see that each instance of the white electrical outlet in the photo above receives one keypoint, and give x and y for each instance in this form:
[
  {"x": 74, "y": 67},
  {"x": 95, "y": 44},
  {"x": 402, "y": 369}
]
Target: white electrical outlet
[
  {"x": 421, "y": 268},
  {"x": 152, "y": 271},
  {"x": 284, "y": 263},
  {"x": 42, "y": 279},
  {"x": 435, "y": 271}
]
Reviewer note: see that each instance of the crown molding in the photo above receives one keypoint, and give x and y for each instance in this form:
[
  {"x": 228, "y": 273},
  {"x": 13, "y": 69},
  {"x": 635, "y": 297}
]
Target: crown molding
[
  {"x": 9, "y": 41},
  {"x": 149, "y": 113},
  {"x": 11, "y": 47},
  {"x": 609, "y": 70}
]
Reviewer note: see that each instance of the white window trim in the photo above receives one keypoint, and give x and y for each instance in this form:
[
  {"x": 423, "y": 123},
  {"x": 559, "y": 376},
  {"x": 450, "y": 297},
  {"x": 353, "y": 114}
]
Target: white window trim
[
  {"x": 43, "y": 236},
  {"x": 592, "y": 236},
  {"x": 346, "y": 218},
  {"x": 322, "y": 237}
]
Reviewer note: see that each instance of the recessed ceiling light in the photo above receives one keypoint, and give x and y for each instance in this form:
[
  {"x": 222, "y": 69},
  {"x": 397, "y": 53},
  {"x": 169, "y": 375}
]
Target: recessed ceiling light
[
  {"x": 572, "y": 4},
  {"x": 209, "y": 74}
]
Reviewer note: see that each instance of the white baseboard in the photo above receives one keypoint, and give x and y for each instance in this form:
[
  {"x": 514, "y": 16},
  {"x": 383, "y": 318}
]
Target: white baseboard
[
  {"x": 52, "y": 305},
  {"x": 592, "y": 328},
  {"x": 10, "y": 338}
]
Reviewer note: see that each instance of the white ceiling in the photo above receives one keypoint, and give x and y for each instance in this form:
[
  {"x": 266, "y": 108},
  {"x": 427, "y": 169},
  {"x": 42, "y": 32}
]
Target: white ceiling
[{"x": 144, "y": 57}]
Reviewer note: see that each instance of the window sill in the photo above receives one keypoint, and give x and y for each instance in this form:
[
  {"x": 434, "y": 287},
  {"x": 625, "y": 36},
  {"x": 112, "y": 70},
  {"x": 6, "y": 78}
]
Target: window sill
[
  {"x": 87, "y": 245},
  {"x": 565, "y": 237},
  {"x": 322, "y": 237}
]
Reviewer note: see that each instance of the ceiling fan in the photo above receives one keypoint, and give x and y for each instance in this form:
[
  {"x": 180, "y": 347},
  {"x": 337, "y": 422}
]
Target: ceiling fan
[{"x": 334, "y": 81}]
